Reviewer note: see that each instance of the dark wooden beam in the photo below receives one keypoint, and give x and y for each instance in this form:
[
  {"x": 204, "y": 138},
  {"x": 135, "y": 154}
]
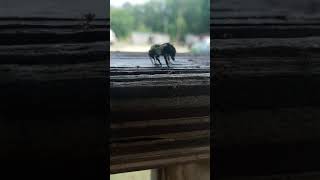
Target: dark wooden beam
[
  {"x": 265, "y": 96},
  {"x": 21, "y": 31},
  {"x": 159, "y": 116},
  {"x": 53, "y": 101}
]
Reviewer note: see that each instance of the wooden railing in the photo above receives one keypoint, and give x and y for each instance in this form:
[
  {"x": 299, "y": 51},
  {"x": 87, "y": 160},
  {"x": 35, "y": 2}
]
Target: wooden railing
[{"x": 159, "y": 116}]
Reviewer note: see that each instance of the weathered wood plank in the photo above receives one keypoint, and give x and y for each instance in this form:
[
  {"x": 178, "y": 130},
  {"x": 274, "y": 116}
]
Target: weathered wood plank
[
  {"x": 160, "y": 113},
  {"x": 279, "y": 45},
  {"x": 268, "y": 125},
  {"x": 140, "y": 144},
  {"x": 53, "y": 91},
  {"x": 264, "y": 86},
  {"x": 159, "y": 162},
  {"x": 293, "y": 176},
  {"x": 15, "y": 31},
  {"x": 263, "y": 32},
  {"x": 47, "y": 37},
  {"x": 148, "y": 123},
  {"x": 139, "y": 151},
  {"x": 54, "y": 9},
  {"x": 53, "y": 54},
  {"x": 157, "y": 113}
]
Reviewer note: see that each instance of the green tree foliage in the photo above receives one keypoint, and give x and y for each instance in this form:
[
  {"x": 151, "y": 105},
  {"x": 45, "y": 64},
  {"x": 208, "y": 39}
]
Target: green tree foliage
[
  {"x": 175, "y": 17},
  {"x": 122, "y": 22}
]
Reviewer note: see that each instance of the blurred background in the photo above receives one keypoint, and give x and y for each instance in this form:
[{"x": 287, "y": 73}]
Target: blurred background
[{"x": 135, "y": 25}]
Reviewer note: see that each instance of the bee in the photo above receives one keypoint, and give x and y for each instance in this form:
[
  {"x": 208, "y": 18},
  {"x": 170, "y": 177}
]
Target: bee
[
  {"x": 166, "y": 50},
  {"x": 154, "y": 53}
]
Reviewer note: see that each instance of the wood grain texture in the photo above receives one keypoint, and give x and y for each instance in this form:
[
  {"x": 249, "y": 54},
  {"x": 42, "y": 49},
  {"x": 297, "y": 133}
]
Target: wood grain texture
[
  {"x": 265, "y": 91},
  {"x": 53, "y": 99},
  {"x": 159, "y": 116}
]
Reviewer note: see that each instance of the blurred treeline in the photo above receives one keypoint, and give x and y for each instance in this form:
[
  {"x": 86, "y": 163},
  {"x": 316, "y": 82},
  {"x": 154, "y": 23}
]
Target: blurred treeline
[{"x": 174, "y": 17}]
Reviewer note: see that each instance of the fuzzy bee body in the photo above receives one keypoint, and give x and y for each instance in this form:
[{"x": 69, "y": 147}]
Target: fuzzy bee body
[
  {"x": 166, "y": 50},
  {"x": 154, "y": 53}
]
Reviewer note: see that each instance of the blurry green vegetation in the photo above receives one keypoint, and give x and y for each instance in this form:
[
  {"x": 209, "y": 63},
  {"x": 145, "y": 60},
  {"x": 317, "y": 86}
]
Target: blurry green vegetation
[
  {"x": 174, "y": 17},
  {"x": 122, "y": 22}
]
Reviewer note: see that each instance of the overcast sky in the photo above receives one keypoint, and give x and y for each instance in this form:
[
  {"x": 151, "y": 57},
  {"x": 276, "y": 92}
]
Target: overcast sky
[{"x": 119, "y": 3}]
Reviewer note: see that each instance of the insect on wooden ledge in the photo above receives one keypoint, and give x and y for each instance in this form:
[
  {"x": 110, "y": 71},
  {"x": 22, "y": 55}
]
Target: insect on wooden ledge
[{"x": 166, "y": 50}]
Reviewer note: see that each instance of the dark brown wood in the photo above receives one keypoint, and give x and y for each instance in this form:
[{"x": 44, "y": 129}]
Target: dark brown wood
[
  {"x": 54, "y": 9},
  {"x": 159, "y": 116},
  {"x": 265, "y": 92},
  {"x": 20, "y": 31},
  {"x": 195, "y": 170},
  {"x": 264, "y": 19},
  {"x": 294, "y": 176},
  {"x": 53, "y": 104}
]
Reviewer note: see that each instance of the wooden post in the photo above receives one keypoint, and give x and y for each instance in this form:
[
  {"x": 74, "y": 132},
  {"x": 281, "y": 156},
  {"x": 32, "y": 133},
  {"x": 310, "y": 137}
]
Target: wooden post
[{"x": 188, "y": 171}]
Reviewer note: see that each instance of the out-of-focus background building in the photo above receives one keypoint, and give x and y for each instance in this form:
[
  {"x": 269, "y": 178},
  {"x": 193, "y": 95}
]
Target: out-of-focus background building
[{"x": 136, "y": 25}]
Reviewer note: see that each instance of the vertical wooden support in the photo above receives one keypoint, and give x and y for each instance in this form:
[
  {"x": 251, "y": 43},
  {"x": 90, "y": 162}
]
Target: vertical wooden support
[{"x": 188, "y": 171}]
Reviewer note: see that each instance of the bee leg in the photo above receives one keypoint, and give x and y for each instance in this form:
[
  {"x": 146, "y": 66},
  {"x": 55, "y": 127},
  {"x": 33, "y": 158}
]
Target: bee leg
[
  {"x": 172, "y": 57},
  {"x": 167, "y": 60},
  {"x": 158, "y": 60},
  {"x": 170, "y": 62},
  {"x": 152, "y": 60},
  {"x": 155, "y": 62}
]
